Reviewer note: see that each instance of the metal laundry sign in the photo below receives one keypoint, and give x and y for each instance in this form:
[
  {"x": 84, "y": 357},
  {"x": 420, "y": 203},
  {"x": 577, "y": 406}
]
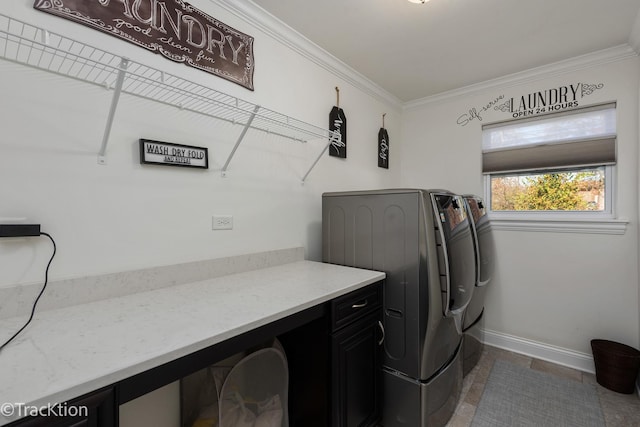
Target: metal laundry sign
[{"x": 172, "y": 28}]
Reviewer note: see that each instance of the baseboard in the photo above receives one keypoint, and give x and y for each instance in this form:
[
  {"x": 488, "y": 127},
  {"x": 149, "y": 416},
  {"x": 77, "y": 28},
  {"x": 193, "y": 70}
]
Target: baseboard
[{"x": 558, "y": 355}]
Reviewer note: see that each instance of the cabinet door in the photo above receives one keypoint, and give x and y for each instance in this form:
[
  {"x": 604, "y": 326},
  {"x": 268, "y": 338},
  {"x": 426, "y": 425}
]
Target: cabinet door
[
  {"x": 100, "y": 412},
  {"x": 356, "y": 374}
]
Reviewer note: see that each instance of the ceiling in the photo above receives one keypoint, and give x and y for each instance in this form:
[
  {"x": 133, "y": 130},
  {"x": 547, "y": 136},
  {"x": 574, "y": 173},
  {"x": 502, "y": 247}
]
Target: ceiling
[{"x": 417, "y": 50}]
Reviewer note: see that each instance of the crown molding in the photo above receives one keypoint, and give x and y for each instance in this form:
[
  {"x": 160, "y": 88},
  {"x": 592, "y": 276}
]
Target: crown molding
[
  {"x": 634, "y": 37},
  {"x": 590, "y": 60},
  {"x": 287, "y": 36}
]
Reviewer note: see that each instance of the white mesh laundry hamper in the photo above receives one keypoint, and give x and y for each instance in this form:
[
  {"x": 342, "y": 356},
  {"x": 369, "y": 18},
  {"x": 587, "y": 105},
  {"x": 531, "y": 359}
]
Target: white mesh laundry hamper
[{"x": 255, "y": 393}]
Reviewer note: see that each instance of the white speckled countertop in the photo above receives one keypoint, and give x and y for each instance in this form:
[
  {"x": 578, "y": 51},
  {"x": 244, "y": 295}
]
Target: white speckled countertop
[{"x": 71, "y": 351}]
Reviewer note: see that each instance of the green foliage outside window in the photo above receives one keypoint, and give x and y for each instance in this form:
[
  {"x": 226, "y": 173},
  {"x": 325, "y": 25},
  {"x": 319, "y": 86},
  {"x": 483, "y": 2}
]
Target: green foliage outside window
[{"x": 554, "y": 191}]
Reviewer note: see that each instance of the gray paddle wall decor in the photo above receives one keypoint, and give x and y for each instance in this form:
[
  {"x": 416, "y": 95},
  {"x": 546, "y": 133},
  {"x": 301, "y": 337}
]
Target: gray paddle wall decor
[
  {"x": 338, "y": 125},
  {"x": 383, "y": 146}
]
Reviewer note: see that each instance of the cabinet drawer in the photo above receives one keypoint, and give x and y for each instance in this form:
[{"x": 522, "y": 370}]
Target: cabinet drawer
[{"x": 353, "y": 306}]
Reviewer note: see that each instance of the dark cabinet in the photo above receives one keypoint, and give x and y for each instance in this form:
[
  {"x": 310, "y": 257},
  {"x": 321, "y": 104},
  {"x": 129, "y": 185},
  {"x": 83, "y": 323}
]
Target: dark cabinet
[
  {"x": 308, "y": 356},
  {"x": 356, "y": 375},
  {"x": 97, "y": 409}
]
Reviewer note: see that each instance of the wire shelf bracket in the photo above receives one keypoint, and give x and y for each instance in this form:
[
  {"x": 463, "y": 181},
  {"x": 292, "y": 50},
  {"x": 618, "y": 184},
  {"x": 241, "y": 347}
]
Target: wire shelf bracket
[
  {"x": 240, "y": 138},
  {"x": 102, "y": 158},
  {"x": 326, "y": 146},
  {"x": 38, "y": 48}
]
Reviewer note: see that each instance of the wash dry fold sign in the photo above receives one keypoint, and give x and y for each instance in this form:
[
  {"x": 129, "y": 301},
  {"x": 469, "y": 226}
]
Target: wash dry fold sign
[{"x": 172, "y": 28}]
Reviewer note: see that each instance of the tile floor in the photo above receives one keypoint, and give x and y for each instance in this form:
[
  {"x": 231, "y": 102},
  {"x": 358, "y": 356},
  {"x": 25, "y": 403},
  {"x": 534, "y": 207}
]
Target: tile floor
[{"x": 619, "y": 410}]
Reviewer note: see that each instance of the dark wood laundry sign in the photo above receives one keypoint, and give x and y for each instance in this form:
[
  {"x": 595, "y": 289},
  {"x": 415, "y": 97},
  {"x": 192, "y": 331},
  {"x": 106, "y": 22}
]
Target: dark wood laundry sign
[
  {"x": 172, "y": 28},
  {"x": 383, "y": 146},
  {"x": 338, "y": 127}
]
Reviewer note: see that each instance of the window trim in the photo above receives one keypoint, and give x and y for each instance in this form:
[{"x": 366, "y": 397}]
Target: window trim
[{"x": 611, "y": 226}]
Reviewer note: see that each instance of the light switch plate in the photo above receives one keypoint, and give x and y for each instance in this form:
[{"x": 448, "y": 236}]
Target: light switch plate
[{"x": 223, "y": 222}]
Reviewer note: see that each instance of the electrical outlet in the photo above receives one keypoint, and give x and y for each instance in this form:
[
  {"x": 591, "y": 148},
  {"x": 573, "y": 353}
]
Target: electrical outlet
[{"x": 223, "y": 222}]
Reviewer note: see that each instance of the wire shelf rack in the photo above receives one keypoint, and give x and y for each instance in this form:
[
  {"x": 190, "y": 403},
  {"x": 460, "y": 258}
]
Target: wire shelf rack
[{"x": 35, "y": 47}]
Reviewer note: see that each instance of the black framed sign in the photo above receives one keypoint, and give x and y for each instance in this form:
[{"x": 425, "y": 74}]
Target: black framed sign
[
  {"x": 172, "y": 28},
  {"x": 168, "y": 154}
]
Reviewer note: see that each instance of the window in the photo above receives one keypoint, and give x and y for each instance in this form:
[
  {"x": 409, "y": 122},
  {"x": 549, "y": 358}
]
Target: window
[{"x": 555, "y": 166}]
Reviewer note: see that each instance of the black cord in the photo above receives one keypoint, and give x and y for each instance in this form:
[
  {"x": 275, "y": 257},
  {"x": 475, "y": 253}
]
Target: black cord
[{"x": 33, "y": 308}]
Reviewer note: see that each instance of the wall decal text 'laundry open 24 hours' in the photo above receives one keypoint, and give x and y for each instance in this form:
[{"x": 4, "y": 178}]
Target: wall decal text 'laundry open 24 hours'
[{"x": 545, "y": 101}]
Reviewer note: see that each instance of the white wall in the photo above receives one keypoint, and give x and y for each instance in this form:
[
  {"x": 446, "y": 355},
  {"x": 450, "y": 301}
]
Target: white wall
[
  {"x": 161, "y": 408},
  {"x": 637, "y": 28},
  {"x": 634, "y": 40},
  {"x": 558, "y": 289},
  {"x": 126, "y": 216}
]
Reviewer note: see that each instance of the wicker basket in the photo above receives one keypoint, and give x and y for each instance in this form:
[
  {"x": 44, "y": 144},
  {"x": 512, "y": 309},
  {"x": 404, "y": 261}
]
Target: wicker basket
[{"x": 616, "y": 365}]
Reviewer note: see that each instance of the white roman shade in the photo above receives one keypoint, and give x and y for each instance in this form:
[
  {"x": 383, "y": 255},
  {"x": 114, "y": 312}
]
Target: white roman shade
[{"x": 577, "y": 138}]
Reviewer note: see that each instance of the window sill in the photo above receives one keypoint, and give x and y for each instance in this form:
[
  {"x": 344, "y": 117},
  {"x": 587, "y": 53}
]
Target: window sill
[{"x": 585, "y": 226}]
